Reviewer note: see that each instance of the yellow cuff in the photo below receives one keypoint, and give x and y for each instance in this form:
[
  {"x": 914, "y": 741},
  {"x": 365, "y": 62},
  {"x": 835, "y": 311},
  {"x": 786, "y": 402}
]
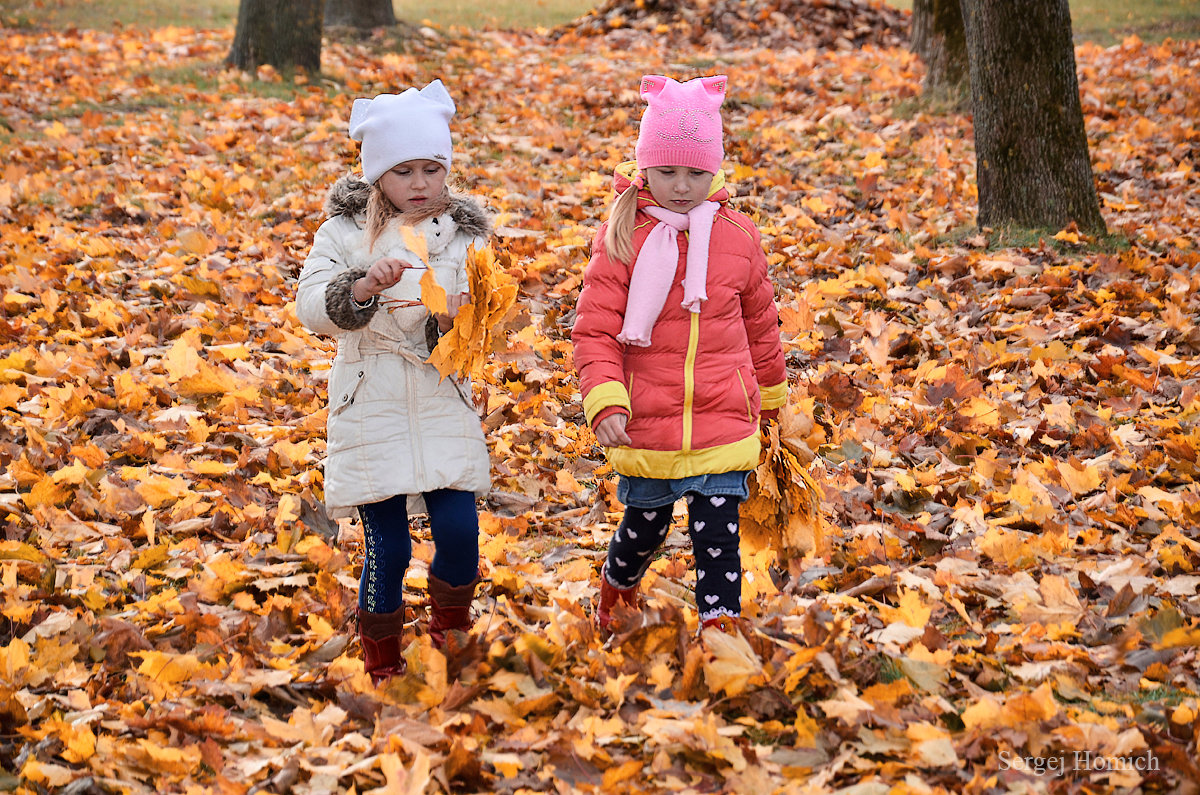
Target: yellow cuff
[
  {"x": 773, "y": 397},
  {"x": 601, "y": 396}
]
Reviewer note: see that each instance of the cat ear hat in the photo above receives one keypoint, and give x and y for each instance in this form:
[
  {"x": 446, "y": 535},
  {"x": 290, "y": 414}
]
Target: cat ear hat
[
  {"x": 682, "y": 123},
  {"x": 396, "y": 128}
]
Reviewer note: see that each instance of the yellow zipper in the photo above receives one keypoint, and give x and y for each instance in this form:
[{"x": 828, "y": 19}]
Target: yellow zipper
[
  {"x": 689, "y": 380},
  {"x": 746, "y": 394}
]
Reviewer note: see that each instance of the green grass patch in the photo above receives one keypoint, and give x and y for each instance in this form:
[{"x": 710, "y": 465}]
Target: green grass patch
[
  {"x": 196, "y": 79},
  {"x": 1006, "y": 237},
  {"x": 938, "y": 103},
  {"x": 1165, "y": 694},
  {"x": 104, "y": 14},
  {"x": 1018, "y": 237},
  {"x": 1109, "y": 21},
  {"x": 889, "y": 670},
  {"x": 200, "y": 79},
  {"x": 494, "y": 14}
]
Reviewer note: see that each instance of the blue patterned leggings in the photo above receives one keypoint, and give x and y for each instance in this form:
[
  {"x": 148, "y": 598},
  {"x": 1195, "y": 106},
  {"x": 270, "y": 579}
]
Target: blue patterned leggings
[
  {"x": 454, "y": 524},
  {"x": 713, "y": 527}
]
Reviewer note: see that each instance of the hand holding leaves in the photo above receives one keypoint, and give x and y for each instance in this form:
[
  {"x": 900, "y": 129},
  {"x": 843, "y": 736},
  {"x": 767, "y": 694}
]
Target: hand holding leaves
[
  {"x": 454, "y": 303},
  {"x": 479, "y": 328},
  {"x": 380, "y": 276}
]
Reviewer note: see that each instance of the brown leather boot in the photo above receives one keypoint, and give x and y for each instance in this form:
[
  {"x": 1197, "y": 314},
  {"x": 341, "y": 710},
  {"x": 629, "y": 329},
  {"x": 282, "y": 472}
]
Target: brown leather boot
[
  {"x": 609, "y": 594},
  {"x": 450, "y": 608},
  {"x": 381, "y": 635}
]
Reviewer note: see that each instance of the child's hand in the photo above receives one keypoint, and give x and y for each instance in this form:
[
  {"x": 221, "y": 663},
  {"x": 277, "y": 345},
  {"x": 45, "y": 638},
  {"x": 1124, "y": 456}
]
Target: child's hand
[
  {"x": 453, "y": 304},
  {"x": 382, "y": 275},
  {"x": 766, "y": 417},
  {"x": 610, "y": 431}
]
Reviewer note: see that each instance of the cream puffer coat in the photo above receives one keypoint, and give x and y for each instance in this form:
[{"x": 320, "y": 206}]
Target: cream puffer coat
[{"x": 394, "y": 426}]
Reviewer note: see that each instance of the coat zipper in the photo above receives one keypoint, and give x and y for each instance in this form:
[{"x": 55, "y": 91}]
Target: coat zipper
[
  {"x": 414, "y": 429},
  {"x": 689, "y": 380}
]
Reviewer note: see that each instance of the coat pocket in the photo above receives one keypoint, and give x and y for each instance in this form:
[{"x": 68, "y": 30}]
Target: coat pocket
[
  {"x": 344, "y": 383},
  {"x": 746, "y": 395}
]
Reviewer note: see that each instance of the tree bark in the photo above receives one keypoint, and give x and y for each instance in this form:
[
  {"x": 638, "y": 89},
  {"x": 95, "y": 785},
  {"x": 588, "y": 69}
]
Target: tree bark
[
  {"x": 938, "y": 39},
  {"x": 922, "y": 28},
  {"x": 361, "y": 14},
  {"x": 285, "y": 34},
  {"x": 1032, "y": 164}
]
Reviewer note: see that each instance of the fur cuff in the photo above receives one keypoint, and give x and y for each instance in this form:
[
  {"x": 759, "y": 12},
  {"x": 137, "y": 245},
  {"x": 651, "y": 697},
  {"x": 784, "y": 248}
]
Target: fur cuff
[{"x": 339, "y": 298}]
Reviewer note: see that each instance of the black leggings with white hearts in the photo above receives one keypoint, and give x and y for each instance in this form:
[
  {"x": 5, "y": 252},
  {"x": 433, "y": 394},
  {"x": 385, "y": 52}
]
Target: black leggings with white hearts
[{"x": 713, "y": 526}]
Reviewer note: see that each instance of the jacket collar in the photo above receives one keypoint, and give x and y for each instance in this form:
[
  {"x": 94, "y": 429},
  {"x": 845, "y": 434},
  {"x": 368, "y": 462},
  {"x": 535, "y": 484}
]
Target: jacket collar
[{"x": 349, "y": 196}]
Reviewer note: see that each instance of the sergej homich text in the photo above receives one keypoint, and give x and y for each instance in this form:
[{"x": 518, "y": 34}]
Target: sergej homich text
[{"x": 1079, "y": 761}]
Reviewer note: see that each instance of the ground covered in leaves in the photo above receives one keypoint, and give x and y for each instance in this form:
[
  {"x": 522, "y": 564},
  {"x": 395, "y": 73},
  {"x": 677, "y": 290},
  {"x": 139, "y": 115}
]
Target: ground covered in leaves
[
  {"x": 719, "y": 24},
  {"x": 1005, "y": 430}
]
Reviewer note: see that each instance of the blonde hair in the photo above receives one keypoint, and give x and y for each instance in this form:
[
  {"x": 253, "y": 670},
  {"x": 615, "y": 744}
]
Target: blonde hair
[
  {"x": 381, "y": 211},
  {"x": 618, "y": 236}
]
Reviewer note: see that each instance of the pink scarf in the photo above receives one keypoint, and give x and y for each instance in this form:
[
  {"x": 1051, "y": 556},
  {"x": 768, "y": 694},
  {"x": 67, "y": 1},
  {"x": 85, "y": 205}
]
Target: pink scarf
[{"x": 654, "y": 269}]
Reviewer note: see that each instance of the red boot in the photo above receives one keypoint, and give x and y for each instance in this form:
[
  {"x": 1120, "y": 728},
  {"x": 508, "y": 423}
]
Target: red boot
[
  {"x": 609, "y": 594},
  {"x": 381, "y": 635},
  {"x": 730, "y": 625},
  {"x": 450, "y": 608}
]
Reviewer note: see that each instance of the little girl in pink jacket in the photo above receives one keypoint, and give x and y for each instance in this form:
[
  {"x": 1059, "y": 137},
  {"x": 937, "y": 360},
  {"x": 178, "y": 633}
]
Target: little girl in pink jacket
[{"x": 678, "y": 350}]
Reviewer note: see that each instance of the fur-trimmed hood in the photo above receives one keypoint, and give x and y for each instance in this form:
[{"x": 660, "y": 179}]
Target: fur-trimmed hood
[{"x": 349, "y": 196}]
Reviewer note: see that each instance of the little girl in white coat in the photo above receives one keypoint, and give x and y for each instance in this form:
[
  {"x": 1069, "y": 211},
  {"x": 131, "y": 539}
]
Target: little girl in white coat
[{"x": 400, "y": 437}]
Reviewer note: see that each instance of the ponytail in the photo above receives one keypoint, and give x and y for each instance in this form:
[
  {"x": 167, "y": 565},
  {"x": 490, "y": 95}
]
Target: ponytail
[{"x": 618, "y": 238}]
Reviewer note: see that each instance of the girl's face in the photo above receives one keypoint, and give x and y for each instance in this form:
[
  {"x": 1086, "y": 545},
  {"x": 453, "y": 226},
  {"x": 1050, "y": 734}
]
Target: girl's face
[
  {"x": 413, "y": 184},
  {"x": 677, "y": 188}
]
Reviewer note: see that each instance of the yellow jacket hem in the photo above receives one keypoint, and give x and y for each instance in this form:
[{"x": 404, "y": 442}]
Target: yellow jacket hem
[{"x": 673, "y": 464}]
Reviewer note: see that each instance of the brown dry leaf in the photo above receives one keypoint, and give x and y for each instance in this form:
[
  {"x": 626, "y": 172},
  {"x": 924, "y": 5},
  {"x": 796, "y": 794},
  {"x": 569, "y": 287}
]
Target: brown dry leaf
[{"x": 730, "y": 665}]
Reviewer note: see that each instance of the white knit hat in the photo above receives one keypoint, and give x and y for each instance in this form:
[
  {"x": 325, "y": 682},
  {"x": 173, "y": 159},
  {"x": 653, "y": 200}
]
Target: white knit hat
[{"x": 396, "y": 128}]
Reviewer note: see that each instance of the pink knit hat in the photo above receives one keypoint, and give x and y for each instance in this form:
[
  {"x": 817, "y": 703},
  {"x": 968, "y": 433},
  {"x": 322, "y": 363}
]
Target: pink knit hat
[{"x": 682, "y": 125}]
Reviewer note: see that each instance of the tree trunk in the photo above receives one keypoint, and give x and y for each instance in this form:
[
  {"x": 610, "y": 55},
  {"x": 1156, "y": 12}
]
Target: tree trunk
[
  {"x": 283, "y": 33},
  {"x": 938, "y": 39},
  {"x": 922, "y": 28},
  {"x": 1032, "y": 163},
  {"x": 362, "y": 14}
]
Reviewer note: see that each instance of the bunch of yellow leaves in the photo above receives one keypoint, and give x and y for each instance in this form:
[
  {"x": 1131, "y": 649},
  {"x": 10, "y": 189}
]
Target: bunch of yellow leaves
[
  {"x": 464, "y": 349},
  {"x": 783, "y": 512}
]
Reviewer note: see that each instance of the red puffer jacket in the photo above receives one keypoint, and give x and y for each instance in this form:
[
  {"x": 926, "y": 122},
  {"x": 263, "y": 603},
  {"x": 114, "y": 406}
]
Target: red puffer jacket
[{"x": 694, "y": 395}]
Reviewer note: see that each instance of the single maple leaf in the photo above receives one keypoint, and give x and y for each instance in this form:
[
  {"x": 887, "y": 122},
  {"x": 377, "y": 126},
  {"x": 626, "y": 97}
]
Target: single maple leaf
[
  {"x": 433, "y": 295},
  {"x": 416, "y": 243}
]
